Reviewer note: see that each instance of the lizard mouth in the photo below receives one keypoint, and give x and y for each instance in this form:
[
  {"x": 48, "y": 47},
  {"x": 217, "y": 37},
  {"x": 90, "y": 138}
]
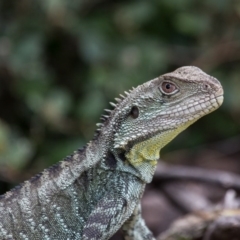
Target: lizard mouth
[
  {"x": 219, "y": 96},
  {"x": 220, "y": 99},
  {"x": 190, "y": 112}
]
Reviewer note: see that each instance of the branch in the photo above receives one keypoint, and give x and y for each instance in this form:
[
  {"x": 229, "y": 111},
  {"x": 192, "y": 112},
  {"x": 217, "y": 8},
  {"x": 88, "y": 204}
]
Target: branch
[
  {"x": 209, "y": 225},
  {"x": 219, "y": 178}
]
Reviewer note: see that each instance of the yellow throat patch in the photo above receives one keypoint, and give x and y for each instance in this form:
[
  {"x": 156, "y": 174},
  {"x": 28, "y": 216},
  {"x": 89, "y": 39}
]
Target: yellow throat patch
[{"x": 149, "y": 150}]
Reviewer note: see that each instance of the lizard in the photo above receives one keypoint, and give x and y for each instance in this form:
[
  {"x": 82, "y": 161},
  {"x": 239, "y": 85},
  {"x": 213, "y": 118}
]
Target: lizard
[{"x": 94, "y": 192}]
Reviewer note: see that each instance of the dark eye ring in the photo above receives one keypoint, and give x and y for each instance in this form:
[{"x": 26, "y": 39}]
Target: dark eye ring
[
  {"x": 168, "y": 88},
  {"x": 134, "y": 113}
]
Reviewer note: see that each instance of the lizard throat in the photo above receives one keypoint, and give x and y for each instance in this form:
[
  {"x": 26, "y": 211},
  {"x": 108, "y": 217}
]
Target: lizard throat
[{"x": 146, "y": 153}]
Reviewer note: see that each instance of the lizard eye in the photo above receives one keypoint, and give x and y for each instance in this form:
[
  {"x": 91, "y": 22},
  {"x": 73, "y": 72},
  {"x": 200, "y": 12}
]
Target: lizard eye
[
  {"x": 134, "y": 112},
  {"x": 168, "y": 88}
]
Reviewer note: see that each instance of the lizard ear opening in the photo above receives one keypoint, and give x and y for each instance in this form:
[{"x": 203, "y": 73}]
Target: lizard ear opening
[{"x": 134, "y": 113}]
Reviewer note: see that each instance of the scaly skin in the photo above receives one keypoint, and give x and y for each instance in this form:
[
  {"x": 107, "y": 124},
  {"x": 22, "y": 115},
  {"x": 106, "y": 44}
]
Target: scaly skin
[{"x": 97, "y": 190}]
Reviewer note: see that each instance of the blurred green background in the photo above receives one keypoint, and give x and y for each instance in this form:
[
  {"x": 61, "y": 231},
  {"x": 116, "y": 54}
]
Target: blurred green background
[{"x": 61, "y": 62}]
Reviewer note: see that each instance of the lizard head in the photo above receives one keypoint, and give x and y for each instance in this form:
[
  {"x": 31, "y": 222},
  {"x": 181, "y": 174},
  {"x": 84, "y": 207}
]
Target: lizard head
[{"x": 154, "y": 113}]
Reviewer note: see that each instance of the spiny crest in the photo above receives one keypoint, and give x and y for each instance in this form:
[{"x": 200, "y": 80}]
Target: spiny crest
[{"x": 105, "y": 117}]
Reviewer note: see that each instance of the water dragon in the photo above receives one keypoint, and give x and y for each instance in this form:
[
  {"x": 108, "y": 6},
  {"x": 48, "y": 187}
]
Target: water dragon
[{"x": 96, "y": 191}]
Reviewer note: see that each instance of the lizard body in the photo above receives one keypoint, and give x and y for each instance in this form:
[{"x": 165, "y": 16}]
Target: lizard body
[{"x": 97, "y": 190}]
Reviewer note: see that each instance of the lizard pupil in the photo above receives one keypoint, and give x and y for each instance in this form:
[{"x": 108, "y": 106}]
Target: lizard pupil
[
  {"x": 134, "y": 112},
  {"x": 168, "y": 86}
]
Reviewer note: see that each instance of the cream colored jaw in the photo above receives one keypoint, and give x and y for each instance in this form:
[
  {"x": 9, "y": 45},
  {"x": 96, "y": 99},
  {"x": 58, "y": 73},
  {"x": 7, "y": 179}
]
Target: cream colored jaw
[{"x": 149, "y": 149}]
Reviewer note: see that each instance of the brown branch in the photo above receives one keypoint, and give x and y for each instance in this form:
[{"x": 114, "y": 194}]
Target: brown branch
[
  {"x": 211, "y": 225},
  {"x": 216, "y": 177}
]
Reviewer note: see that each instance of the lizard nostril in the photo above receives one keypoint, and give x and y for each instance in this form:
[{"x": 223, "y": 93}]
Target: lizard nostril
[{"x": 206, "y": 87}]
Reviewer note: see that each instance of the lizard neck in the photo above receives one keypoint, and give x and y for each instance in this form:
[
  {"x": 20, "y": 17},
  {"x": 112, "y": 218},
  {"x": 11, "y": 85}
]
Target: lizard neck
[{"x": 145, "y": 154}]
